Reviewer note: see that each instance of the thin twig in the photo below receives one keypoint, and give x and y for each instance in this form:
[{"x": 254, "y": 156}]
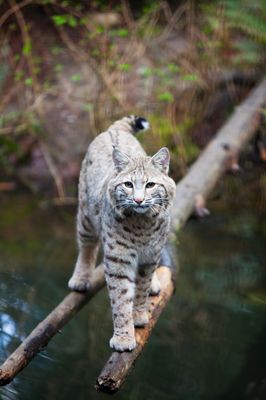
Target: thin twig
[{"x": 13, "y": 10}]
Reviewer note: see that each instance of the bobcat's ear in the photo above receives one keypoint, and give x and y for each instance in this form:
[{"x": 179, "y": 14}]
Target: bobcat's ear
[
  {"x": 161, "y": 160},
  {"x": 121, "y": 160}
]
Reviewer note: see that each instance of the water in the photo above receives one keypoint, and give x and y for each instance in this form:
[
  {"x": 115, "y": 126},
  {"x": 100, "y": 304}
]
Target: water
[{"x": 210, "y": 340}]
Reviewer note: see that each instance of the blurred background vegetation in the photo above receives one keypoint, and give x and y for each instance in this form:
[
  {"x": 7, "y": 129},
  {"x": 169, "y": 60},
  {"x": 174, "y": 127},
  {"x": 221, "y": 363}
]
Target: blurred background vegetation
[{"x": 69, "y": 68}]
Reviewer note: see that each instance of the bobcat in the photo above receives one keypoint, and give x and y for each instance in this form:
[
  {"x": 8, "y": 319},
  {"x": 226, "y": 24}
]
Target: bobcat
[{"x": 124, "y": 202}]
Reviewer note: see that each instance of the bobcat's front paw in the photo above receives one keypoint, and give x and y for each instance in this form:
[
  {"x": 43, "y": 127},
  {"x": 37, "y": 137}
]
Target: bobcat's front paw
[
  {"x": 123, "y": 343},
  {"x": 141, "y": 318},
  {"x": 79, "y": 283},
  {"x": 155, "y": 286}
]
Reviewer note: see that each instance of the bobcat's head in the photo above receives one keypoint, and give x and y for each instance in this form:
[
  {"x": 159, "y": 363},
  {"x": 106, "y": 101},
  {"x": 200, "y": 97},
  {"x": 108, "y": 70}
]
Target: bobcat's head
[{"x": 142, "y": 184}]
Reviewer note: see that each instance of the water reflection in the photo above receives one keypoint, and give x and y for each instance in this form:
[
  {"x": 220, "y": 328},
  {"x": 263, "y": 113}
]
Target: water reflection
[
  {"x": 7, "y": 329},
  {"x": 209, "y": 342}
]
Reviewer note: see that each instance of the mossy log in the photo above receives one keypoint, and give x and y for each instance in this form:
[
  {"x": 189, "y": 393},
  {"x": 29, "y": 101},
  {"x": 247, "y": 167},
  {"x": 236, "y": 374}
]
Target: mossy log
[{"x": 219, "y": 156}]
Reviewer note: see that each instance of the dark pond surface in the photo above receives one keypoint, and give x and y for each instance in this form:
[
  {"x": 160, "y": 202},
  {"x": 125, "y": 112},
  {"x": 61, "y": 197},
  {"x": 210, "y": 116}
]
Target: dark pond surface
[{"x": 209, "y": 342}]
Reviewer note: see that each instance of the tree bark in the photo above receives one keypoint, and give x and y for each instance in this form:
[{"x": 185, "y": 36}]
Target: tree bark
[{"x": 191, "y": 191}]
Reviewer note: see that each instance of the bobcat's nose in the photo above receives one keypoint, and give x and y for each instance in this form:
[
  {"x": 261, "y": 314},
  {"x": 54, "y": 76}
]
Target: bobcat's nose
[{"x": 138, "y": 200}]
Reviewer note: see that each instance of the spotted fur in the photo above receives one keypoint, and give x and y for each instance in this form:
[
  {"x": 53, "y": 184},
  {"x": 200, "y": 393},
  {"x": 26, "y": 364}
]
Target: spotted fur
[{"x": 124, "y": 202}]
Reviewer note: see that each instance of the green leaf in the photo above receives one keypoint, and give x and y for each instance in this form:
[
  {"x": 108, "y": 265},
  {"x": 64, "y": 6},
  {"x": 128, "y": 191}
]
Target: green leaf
[
  {"x": 28, "y": 81},
  {"x": 56, "y": 50},
  {"x": 36, "y": 70},
  {"x": 111, "y": 63},
  {"x": 122, "y": 32},
  {"x": 173, "y": 68},
  {"x": 19, "y": 75},
  {"x": 125, "y": 67},
  {"x": 76, "y": 78},
  {"x": 146, "y": 71},
  {"x": 60, "y": 19},
  {"x": 166, "y": 96},
  {"x": 99, "y": 29},
  {"x": 27, "y": 47},
  {"x": 95, "y": 52},
  {"x": 190, "y": 77},
  {"x": 88, "y": 106},
  {"x": 59, "y": 68},
  {"x": 72, "y": 21},
  {"x": 119, "y": 32}
]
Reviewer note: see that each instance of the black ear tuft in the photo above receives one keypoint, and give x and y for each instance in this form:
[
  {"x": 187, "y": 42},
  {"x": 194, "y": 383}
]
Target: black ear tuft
[{"x": 141, "y": 124}]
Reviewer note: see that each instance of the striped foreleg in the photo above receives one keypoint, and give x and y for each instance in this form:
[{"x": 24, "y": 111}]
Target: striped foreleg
[
  {"x": 143, "y": 284},
  {"x": 120, "y": 279}
]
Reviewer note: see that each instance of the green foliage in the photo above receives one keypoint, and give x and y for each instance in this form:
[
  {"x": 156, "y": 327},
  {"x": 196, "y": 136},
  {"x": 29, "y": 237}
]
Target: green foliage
[
  {"x": 56, "y": 50},
  {"x": 146, "y": 71},
  {"x": 76, "y": 78},
  {"x": 9, "y": 118},
  {"x": 27, "y": 47},
  {"x": 247, "y": 52},
  {"x": 65, "y": 19},
  {"x": 88, "y": 107},
  {"x": 248, "y": 16},
  {"x": 176, "y": 137},
  {"x": 28, "y": 81},
  {"x": 12, "y": 149},
  {"x": 3, "y": 73},
  {"x": 166, "y": 96},
  {"x": 190, "y": 77},
  {"x": 173, "y": 68},
  {"x": 8, "y": 147},
  {"x": 59, "y": 68},
  {"x": 125, "y": 67},
  {"x": 122, "y": 32},
  {"x": 244, "y": 22},
  {"x": 149, "y": 7}
]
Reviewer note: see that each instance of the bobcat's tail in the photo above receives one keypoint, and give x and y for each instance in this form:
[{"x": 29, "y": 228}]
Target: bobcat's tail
[
  {"x": 132, "y": 124},
  {"x": 139, "y": 123}
]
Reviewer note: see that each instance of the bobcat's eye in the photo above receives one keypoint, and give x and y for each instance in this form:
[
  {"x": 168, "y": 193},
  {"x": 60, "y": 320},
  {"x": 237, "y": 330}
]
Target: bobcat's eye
[
  {"x": 128, "y": 185},
  {"x": 150, "y": 185}
]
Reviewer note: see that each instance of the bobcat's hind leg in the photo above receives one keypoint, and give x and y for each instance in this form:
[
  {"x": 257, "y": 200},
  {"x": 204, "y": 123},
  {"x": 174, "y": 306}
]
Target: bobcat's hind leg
[{"x": 88, "y": 249}]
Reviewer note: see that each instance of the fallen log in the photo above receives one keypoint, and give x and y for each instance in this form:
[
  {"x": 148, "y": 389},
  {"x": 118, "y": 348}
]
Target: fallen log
[
  {"x": 219, "y": 156},
  {"x": 191, "y": 191}
]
